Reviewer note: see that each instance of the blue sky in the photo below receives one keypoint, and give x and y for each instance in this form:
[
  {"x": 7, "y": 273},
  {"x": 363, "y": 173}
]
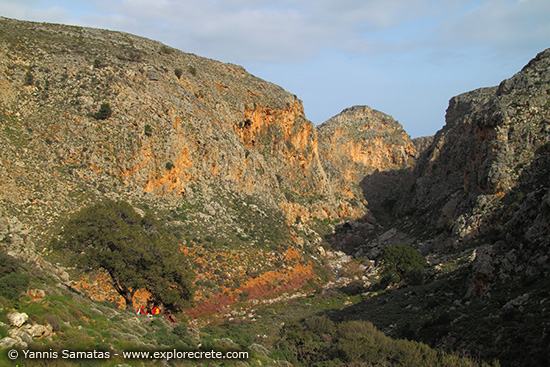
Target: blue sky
[{"x": 403, "y": 57}]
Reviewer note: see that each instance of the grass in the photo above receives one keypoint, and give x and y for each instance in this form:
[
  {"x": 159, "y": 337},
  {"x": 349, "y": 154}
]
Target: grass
[
  {"x": 270, "y": 318},
  {"x": 13, "y": 131}
]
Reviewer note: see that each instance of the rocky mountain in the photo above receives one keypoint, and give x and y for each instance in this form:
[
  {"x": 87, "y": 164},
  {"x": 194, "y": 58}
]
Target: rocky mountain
[
  {"x": 180, "y": 125},
  {"x": 260, "y": 200},
  {"x": 476, "y": 204},
  {"x": 422, "y": 143},
  {"x": 491, "y": 137},
  {"x": 229, "y": 160},
  {"x": 360, "y": 141}
]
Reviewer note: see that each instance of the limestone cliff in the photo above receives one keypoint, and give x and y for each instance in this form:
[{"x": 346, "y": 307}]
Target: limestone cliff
[
  {"x": 491, "y": 136},
  {"x": 358, "y": 142},
  {"x": 228, "y": 160}
]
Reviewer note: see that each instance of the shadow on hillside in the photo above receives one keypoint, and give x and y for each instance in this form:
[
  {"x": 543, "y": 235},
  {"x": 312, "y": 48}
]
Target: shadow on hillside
[
  {"x": 385, "y": 192},
  {"x": 439, "y": 313}
]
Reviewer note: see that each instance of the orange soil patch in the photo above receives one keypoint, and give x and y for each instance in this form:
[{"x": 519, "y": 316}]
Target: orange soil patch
[{"x": 268, "y": 284}]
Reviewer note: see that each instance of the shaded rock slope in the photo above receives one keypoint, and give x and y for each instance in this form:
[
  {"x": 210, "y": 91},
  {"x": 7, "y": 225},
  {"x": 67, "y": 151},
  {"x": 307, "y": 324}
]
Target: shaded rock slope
[{"x": 476, "y": 204}]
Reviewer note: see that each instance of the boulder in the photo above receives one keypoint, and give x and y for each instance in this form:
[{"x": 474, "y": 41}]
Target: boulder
[
  {"x": 7, "y": 342},
  {"x": 21, "y": 335},
  {"x": 41, "y": 331},
  {"x": 17, "y": 319}
]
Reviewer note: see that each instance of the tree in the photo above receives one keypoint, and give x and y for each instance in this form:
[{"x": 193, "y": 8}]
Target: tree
[
  {"x": 403, "y": 262},
  {"x": 136, "y": 252}
]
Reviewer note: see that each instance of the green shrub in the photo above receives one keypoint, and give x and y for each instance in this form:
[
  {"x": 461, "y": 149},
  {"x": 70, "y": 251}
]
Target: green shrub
[
  {"x": 192, "y": 70},
  {"x": 166, "y": 50},
  {"x": 104, "y": 112},
  {"x": 3, "y": 332},
  {"x": 13, "y": 281},
  {"x": 178, "y": 72},
  {"x": 12, "y": 285},
  {"x": 320, "y": 342},
  {"x": 148, "y": 130},
  {"x": 8, "y": 264},
  {"x": 98, "y": 64},
  {"x": 181, "y": 330},
  {"x": 402, "y": 263},
  {"x": 29, "y": 78},
  {"x": 169, "y": 166}
]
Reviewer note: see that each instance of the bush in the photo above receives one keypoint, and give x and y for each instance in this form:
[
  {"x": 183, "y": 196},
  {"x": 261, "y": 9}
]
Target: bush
[
  {"x": 180, "y": 330},
  {"x": 3, "y": 332},
  {"x": 148, "y": 130},
  {"x": 178, "y": 72},
  {"x": 166, "y": 50},
  {"x": 13, "y": 281},
  {"x": 320, "y": 342},
  {"x": 169, "y": 166},
  {"x": 104, "y": 112},
  {"x": 192, "y": 70},
  {"x": 98, "y": 64},
  {"x": 29, "y": 78},
  {"x": 403, "y": 263}
]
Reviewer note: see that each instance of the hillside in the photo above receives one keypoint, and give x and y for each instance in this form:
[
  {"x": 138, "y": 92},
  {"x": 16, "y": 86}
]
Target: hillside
[
  {"x": 229, "y": 160},
  {"x": 344, "y": 244},
  {"x": 476, "y": 205}
]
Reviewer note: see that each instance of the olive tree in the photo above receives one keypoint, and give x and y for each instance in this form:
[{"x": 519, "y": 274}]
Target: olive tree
[{"x": 136, "y": 252}]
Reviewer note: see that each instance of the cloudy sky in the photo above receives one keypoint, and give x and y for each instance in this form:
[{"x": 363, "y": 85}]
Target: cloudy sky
[{"x": 403, "y": 57}]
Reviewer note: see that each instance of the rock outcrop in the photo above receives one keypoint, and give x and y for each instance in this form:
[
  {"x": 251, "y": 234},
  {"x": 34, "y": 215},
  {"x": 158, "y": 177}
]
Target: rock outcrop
[
  {"x": 22, "y": 333},
  {"x": 422, "y": 144},
  {"x": 491, "y": 136},
  {"x": 361, "y": 141}
]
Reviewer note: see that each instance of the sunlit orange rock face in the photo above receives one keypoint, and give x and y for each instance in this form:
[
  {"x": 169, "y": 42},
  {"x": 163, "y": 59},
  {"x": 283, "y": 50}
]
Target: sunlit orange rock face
[{"x": 360, "y": 141}]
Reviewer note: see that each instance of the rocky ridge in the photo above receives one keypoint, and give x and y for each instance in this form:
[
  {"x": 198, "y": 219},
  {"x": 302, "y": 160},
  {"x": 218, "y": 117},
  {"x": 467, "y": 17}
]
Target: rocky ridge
[{"x": 360, "y": 141}]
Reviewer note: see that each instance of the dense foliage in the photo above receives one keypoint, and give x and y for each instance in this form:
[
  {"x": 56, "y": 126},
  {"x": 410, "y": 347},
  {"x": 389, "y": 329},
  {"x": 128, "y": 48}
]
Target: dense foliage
[
  {"x": 403, "y": 263},
  {"x": 318, "y": 341},
  {"x": 135, "y": 251},
  {"x": 13, "y": 281}
]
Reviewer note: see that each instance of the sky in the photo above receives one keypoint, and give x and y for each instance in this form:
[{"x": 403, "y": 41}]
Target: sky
[{"x": 406, "y": 58}]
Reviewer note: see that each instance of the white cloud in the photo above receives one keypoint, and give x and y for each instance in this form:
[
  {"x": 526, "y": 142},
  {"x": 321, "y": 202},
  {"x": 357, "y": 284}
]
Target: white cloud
[{"x": 249, "y": 31}]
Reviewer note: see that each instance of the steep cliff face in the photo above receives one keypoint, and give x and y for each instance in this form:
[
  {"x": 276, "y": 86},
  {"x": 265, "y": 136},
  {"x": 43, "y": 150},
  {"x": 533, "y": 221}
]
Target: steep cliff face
[
  {"x": 422, "y": 144},
  {"x": 477, "y": 205},
  {"x": 360, "y": 141},
  {"x": 491, "y": 135}
]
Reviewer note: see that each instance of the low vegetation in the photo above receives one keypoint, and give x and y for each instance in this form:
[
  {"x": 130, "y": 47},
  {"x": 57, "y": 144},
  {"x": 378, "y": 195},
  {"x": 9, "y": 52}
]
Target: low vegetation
[
  {"x": 318, "y": 341},
  {"x": 13, "y": 280},
  {"x": 104, "y": 112},
  {"x": 148, "y": 130}
]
